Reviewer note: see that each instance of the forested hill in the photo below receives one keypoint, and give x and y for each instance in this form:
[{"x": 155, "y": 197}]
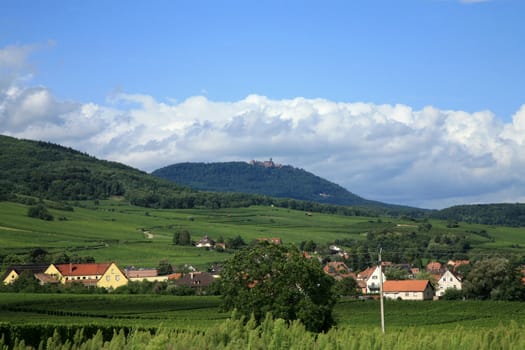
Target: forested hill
[
  {"x": 265, "y": 178},
  {"x": 36, "y": 169},
  {"x": 46, "y": 170},
  {"x": 506, "y": 214}
]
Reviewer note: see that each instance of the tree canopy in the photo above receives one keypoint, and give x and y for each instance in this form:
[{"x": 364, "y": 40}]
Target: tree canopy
[
  {"x": 276, "y": 279},
  {"x": 494, "y": 278}
]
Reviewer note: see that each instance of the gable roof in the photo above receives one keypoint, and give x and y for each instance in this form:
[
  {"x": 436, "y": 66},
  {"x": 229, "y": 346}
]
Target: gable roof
[
  {"x": 82, "y": 269},
  {"x": 439, "y": 277},
  {"x": 405, "y": 285},
  {"x": 196, "y": 279},
  {"x": 365, "y": 274}
]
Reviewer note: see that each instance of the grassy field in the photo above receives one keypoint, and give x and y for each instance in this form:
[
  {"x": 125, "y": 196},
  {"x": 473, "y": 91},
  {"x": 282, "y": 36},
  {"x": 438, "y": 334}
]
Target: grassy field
[
  {"x": 202, "y": 312},
  {"x": 113, "y": 230}
]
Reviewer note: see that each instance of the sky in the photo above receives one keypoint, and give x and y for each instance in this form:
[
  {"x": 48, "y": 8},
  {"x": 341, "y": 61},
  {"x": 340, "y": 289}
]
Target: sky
[{"x": 413, "y": 102}]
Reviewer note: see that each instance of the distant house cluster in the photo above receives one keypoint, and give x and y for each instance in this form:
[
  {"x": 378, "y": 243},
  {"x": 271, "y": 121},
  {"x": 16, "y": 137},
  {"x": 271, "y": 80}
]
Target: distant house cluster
[
  {"x": 439, "y": 277},
  {"x": 105, "y": 275},
  {"x": 442, "y": 278},
  {"x": 110, "y": 276}
]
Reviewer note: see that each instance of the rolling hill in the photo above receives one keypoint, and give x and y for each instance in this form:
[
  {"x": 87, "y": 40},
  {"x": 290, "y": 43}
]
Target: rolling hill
[
  {"x": 36, "y": 169},
  {"x": 46, "y": 170},
  {"x": 264, "y": 178}
]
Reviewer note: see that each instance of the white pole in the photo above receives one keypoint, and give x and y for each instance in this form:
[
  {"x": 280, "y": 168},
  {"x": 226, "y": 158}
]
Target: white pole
[{"x": 381, "y": 292}]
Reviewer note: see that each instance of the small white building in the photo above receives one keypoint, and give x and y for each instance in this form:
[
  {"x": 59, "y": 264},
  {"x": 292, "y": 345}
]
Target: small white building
[{"x": 447, "y": 281}]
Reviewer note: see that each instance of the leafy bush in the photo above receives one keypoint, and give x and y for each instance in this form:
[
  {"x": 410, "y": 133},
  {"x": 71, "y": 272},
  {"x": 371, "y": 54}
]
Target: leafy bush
[
  {"x": 39, "y": 211},
  {"x": 453, "y": 294}
]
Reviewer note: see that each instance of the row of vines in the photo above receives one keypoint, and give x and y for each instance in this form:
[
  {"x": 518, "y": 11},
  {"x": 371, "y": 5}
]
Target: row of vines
[{"x": 270, "y": 334}]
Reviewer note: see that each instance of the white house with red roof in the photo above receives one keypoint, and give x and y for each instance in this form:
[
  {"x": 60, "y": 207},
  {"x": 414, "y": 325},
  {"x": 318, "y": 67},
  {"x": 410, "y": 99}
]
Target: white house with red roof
[
  {"x": 371, "y": 276},
  {"x": 408, "y": 290}
]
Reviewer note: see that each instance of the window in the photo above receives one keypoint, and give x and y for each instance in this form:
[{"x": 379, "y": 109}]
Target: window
[
  {"x": 108, "y": 277},
  {"x": 117, "y": 278}
]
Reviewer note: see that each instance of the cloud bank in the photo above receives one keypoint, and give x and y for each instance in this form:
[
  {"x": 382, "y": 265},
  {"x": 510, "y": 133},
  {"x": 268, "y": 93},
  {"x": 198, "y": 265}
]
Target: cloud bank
[{"x": 428, "y": 158}]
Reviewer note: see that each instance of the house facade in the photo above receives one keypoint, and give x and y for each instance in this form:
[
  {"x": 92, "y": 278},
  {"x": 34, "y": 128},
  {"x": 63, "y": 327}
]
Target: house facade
[
  {"x": 371, "y": 277},
  {"x": 447, "y": 281},
  {"x": 106, "y": 275},
  {"x": 408, "y": 290}
]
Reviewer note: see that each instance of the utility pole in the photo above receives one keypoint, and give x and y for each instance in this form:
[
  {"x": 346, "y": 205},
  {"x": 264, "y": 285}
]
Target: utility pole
[{"x": 381, "y": 292}]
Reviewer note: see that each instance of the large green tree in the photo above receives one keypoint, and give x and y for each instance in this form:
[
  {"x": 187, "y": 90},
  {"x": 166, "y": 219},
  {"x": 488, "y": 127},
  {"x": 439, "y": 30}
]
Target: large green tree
[
  {"x": 494, "y": 278},
  {"x": 276, "y": 279}
]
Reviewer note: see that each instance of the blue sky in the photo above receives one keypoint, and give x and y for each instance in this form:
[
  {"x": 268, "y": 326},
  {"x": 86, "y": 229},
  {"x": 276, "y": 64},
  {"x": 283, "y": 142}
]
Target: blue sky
[{"x": 415, "y": 102}]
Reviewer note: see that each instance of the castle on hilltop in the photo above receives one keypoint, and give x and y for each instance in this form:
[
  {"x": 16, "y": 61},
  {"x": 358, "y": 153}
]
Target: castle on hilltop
[{"x": 266, "y": 163}]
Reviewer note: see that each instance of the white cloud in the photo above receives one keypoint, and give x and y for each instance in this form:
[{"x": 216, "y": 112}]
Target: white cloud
[{"x": 428, "y": 157}]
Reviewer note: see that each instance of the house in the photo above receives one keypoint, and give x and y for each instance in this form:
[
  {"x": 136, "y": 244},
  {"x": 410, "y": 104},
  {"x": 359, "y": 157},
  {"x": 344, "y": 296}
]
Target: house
[
  {"x": 105, "y": 275},
  {"x": 371, "y": 276},
  {"x": 197, "y": 280},
  {"x": 338, "y": 270},
  {"x": 408, "y": 290},
  {"x": 447, "y": 281},
  {"x": 13, "y": 272},
  {"x": 205, "y": 242}
]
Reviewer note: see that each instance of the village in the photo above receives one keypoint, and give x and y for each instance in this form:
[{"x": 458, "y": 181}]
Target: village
[{"x": 110, "y": 276}]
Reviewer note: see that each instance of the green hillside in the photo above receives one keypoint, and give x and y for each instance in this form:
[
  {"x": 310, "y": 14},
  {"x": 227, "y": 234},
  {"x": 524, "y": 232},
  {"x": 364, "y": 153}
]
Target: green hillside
[
  {"x": 263, "y": 178},
  {"x": 109, "y": 230},
  {"x": 46, "y": 170},
  {"x": 49, "y": 171}
]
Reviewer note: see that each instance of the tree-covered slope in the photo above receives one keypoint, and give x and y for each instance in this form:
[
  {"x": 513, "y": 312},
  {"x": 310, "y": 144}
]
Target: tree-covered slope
[
  {"x": 46, "y": 170},
  {"x": 507, "y": 214},
  {"x": 49, "y": 171},
  {"x": 257, "y": 178}
]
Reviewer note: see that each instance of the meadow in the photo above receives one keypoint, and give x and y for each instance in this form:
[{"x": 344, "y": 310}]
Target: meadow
[{"x": 113, "y": 230}]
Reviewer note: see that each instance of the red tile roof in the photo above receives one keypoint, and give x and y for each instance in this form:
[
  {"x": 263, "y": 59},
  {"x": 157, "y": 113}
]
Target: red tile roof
[
  {"x": 82, "y": 269},
  {"x": 405, "y": 286},
  {"x": 366, "y": 273}
]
